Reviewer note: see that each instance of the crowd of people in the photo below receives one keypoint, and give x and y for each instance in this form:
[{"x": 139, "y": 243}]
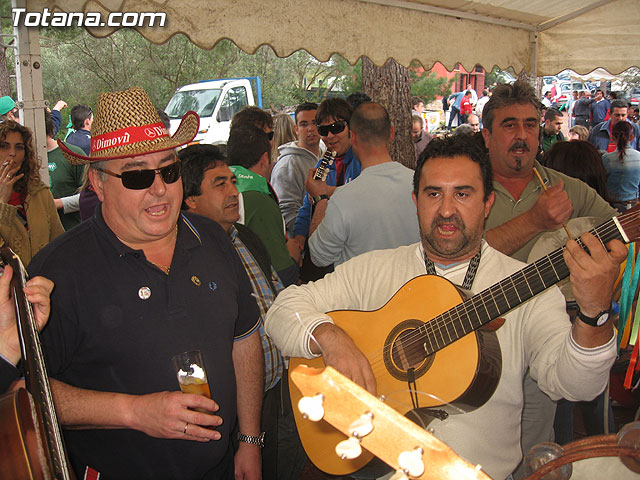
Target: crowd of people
[{"x": 241, "y": 251}]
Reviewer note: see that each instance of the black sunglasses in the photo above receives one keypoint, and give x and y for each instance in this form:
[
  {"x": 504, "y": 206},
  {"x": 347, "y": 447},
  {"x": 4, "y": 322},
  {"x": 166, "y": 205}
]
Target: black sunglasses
[
  {"x": 141, "y": 179},
  {"x": 335, "y": 128},
  {"x": 270, "y": 135}
]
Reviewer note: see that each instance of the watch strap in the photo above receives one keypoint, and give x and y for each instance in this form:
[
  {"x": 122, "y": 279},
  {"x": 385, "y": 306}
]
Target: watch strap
[
  {"x": 597, "y": 321},
  {"x": 317, "y": 198},
  {"x": 252, "y": 439}
]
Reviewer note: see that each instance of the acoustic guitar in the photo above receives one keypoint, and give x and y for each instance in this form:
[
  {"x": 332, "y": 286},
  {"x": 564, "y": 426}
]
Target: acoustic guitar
[
  {"x": 30, "y": 438},
  {"x": 436, "y": 360}
]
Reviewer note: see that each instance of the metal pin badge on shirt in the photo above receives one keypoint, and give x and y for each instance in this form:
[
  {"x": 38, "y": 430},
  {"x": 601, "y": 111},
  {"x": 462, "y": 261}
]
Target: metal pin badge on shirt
[
  {"x": 144, "y": 293},
  {"x": 196, "y": 281}
]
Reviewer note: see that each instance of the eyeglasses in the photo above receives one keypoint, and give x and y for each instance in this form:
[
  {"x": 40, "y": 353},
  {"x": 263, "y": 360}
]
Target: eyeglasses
[
  {"x": 141, "y": 179},
  {"x": 335, "y": 128}
]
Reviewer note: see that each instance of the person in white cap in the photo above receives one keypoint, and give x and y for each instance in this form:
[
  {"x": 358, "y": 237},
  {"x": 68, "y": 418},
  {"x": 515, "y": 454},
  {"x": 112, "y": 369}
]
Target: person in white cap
[{"x": 135, "y": 285}]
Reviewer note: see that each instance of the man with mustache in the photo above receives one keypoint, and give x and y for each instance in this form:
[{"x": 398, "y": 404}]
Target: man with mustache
[
  {"x": 522, "y": 212},
  {"x": 453, "y": 193}
]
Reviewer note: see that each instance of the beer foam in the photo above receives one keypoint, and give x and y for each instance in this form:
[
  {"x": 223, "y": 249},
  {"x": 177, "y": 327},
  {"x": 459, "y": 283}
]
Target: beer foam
[{"x": 194, "y": 375}]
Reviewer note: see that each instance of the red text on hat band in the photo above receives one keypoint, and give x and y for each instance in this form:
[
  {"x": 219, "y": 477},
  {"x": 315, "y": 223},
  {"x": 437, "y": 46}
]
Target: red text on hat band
[{"x": 127, "y": 136}]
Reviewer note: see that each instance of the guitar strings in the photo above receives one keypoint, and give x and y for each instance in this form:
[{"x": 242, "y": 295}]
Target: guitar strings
[
  {"x": 435, "y": 326},
  {"x": 440, "y": 323}
]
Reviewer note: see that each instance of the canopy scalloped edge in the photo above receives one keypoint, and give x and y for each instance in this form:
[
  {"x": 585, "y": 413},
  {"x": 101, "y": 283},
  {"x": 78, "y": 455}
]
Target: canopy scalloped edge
[
  {"x": 606, "y": 36},
  {"x": 388, "y": 32}
]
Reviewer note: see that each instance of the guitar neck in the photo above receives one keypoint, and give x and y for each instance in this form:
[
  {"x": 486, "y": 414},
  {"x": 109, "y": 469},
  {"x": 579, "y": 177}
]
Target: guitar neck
[
  {"x": 323, "y": 167},
  {"x": 507, "y": 294},
  {"x": 36, "y": 378}
]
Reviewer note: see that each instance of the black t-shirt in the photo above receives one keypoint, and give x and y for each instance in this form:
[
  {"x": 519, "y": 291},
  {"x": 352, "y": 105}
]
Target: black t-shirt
[{"x": 107, "y": 333}]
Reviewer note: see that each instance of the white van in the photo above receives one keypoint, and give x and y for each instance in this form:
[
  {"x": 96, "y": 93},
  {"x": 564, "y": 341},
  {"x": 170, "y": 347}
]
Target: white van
[{"x": 216, "y": 101}]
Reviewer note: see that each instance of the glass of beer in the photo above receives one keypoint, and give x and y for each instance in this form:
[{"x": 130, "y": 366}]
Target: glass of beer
[{"x": 192, "y": 376}]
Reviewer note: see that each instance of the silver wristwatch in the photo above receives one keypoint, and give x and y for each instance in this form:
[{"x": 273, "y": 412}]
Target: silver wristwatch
[{"x": 252, "y": 439}]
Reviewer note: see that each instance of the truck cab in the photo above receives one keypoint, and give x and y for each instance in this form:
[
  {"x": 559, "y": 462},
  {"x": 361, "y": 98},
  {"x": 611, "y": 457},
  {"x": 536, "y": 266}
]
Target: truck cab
[{"x": 215, "y": 101}]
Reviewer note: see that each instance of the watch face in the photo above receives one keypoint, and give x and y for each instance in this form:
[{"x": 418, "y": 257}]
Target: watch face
[{"x": 602, "y": 319}]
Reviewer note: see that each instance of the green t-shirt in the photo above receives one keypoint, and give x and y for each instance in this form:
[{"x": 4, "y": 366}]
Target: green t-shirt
[{"x": 262, "y": 215}]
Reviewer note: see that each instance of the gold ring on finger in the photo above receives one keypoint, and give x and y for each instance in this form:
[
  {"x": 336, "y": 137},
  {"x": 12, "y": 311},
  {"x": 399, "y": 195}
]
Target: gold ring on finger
[{"x": 185, "y": 428}]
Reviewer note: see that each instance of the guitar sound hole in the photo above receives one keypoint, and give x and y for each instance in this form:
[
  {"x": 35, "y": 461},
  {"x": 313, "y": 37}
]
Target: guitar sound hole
[{"x": 405, "y": 350}]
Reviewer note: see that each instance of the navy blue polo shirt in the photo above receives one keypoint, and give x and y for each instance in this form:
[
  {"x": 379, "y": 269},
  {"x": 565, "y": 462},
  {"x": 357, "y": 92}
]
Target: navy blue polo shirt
[{"x": 116, "y": 322}]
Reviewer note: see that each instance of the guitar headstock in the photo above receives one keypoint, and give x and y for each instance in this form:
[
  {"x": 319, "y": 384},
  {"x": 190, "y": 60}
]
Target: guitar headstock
[
  {"x": 323, "y": 168},
  {"x": 380, "y": 429},
  {"x": 630, "y": 223}
]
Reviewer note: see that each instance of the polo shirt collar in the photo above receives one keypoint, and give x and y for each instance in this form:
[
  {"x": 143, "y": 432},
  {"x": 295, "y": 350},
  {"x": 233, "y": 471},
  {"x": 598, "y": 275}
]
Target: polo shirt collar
[{"x": 188, "y": 236}]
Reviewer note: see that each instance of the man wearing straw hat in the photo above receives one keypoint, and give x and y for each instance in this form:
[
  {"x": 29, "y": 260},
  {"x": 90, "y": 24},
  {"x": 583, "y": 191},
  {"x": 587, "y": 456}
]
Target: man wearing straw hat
[{"x": 135, "y": 285}]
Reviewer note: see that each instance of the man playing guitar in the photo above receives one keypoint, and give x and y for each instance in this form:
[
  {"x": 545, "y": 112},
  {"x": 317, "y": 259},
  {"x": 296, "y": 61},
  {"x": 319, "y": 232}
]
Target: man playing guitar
[{"x": 453, "y": 194}]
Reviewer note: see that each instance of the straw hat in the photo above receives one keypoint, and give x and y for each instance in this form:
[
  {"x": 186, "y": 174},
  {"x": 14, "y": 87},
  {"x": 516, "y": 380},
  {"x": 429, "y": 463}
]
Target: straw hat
[{"x": 126, "y": 124}]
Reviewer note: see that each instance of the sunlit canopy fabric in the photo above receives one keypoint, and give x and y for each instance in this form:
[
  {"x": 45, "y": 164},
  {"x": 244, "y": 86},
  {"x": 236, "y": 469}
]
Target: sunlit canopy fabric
[
  {"x": 599, "y": 74},
  {"x": 541, "y": 37}
]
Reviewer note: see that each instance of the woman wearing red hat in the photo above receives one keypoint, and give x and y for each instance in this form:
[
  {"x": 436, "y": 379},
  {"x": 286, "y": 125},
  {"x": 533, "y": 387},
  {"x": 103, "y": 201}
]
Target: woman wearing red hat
[{"x": 28, "y": 216}]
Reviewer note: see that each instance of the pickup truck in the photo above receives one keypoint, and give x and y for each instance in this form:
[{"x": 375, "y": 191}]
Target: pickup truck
[{"x": 216, "y": 101}]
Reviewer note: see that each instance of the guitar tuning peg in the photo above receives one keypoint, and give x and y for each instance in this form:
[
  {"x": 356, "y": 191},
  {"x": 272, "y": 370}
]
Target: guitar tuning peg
[
  {"x": 311, "y": 407},
  {"x": 399, "y": 475},
  {"x": 349, "y": 449},
  {"x": 363, "y": 426},
  {"x": 411, "y": 462}
]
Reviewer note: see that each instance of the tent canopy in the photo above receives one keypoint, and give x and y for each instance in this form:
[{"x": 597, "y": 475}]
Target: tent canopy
[
  {"x": 540, "y": 37},
  {"x": 598, "y": 75}
]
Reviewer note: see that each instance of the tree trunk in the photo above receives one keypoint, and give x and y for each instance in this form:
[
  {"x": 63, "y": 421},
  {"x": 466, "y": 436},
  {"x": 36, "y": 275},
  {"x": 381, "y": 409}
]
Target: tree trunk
[{"x": 389, "y": 85}]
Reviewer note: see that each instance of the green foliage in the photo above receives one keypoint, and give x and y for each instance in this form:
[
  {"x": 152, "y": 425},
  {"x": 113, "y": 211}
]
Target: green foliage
[
  {"x": 351, "y": 75},
  {"x": 77, "y": 67},
  {"x": 631, "y": 77},
  {"x": 498, "y": 76},
  {"x": 427, "y": 85}
]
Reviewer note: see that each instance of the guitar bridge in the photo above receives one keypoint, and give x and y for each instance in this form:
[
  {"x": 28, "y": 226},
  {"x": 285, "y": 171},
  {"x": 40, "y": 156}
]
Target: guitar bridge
[{"x": 439, "y": 414}]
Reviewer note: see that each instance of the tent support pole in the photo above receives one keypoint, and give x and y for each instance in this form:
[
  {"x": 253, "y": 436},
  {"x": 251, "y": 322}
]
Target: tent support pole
[
  {"x": 533, "y": 36},
  {"x": 29, "y": 85}
]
